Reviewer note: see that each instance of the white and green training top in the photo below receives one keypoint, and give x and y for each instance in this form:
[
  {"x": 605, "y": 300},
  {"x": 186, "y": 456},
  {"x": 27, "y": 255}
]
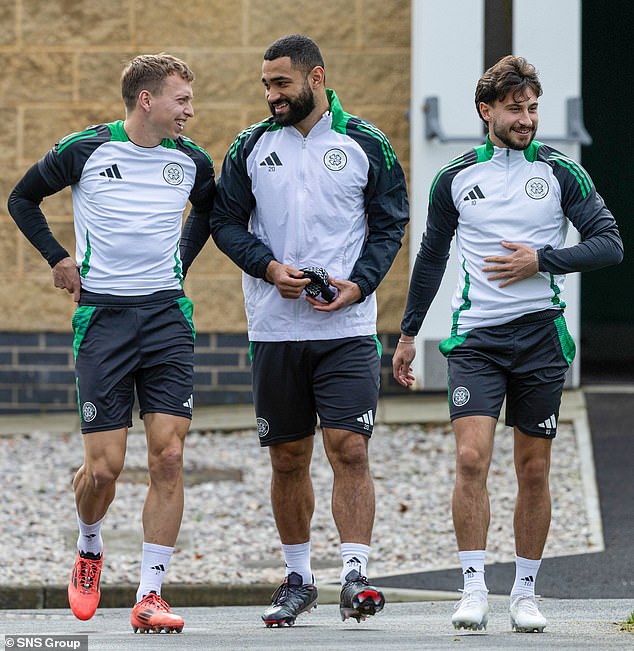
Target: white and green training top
[
  {"x": 128, "y": 204},
  {"x": 488, "y": 195}
]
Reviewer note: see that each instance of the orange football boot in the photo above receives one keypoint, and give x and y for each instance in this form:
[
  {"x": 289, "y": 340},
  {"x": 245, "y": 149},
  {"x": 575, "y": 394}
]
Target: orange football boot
[
  {"x": 153, "y": 615},
  {"x": 83, "y": 589}
]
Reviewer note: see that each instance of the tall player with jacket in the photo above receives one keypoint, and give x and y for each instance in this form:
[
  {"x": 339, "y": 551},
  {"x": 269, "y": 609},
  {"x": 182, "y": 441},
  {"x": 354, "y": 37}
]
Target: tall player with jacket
[{"x": 313, "y": 187}]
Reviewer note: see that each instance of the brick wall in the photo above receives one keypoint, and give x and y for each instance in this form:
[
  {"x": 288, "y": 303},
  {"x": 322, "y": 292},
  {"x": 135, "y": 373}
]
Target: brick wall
[
  {"x": 36, "y": 372},
  {"x": 62, "y": 62},
  {"x": 37, "y": 375}
]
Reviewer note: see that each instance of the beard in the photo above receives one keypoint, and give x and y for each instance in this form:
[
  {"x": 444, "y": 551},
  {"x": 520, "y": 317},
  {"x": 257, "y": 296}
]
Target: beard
[
  {"x": 506, "y": 136},
  {"x": 298, "y": 109}
]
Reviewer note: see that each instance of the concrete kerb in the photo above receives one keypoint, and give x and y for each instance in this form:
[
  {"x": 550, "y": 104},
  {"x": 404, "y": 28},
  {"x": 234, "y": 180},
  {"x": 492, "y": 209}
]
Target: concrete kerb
[{"x": 181, "y": 595}]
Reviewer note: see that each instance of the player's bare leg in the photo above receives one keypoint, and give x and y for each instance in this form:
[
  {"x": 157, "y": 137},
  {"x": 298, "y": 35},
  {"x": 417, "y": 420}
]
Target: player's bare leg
[
  {"x": 353, "y": 506},
  {"x": 531, "y": 523},
  {"x": 162, "y": 515},
  {"x": 471, "y": 515},
  {"x": 293, "y": 503},
  {"x": 94, "y": 485}
]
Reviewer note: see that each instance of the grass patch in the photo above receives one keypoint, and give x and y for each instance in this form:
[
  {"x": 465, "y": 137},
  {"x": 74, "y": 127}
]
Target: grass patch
[{"x": 628, "y": 624}]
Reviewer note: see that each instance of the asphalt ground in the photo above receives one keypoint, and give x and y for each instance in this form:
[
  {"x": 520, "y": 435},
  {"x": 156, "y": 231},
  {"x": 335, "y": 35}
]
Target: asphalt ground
[{"x": 573, "y": 624}]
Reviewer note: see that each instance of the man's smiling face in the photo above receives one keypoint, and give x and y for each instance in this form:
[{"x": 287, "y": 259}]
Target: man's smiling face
[{"x": 513, "y": 119}]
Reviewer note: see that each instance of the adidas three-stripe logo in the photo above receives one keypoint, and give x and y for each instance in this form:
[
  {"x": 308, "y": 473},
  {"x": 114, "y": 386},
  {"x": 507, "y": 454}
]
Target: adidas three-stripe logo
[
  {"x": 111, "y": 172},
  {"x": 549, "y": 423},
  {"x": 474, "y": 194},
  {"x": 272, "y": 160},
  {"x": 367, "y": 419},
  {"x": 159, "y": 568}
]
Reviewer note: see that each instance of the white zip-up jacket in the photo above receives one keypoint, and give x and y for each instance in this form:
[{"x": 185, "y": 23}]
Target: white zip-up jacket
[
  {"x": 335, "y": 199},
  {"x": 489, "y": 195}
]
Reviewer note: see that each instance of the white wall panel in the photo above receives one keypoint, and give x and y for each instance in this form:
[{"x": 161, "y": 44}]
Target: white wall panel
[{"x": 447, "y": 46}]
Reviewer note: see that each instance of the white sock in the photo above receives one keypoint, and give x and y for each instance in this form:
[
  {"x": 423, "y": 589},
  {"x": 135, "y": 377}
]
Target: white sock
[
  {"x": 354, "y": 557},
  {"x": 525, "y": 576},
  {"x": 297, "y": 559},
  {"x": 89, "y": 539},
  {"x": 154, "y": 562},
  {"x": 472, "y": 563}
]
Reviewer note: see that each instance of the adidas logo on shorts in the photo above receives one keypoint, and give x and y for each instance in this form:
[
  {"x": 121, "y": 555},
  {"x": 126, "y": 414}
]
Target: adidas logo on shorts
[{"x": 367, "y": 419}]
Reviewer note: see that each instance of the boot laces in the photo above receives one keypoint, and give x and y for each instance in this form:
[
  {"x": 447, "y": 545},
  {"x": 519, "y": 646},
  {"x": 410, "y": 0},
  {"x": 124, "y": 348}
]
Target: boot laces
[
  {"x": 87, "y": 572},
  {"x": 527, "y": 602},
  {"x": 155, "y": 601}
]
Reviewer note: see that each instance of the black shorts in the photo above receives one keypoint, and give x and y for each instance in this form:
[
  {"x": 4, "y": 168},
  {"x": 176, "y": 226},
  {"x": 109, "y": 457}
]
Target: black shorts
[
  {"x": 294, "y": 381},
  {"x": 525, "y": 360},
  {"x": 123, "y": 341}
]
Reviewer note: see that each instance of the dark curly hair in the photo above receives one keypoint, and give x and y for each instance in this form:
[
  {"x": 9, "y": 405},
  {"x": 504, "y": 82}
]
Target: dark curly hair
[{"x": 509, "y": 74}]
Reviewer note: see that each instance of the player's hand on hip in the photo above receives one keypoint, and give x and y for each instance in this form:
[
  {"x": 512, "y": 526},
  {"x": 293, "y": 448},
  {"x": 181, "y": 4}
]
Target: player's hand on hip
[
  {"x": 66, "y": 276},
  {"x": 290, "y": 282},
  {"x": 347, "y": 293},
  {"x": 518, "y": 265},
  {"x": 402, "y": 363}
]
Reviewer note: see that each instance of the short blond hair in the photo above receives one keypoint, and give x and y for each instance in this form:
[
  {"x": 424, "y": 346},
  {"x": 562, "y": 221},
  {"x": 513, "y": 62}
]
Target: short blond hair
[{"x": 149, "y": 72}]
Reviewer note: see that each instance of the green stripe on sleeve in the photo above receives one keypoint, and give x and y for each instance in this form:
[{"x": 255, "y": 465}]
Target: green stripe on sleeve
[
  {"x": 74, "y": 137},
  {"x": 580, "y": 175},
  {"x": 454, "y": 163},
  {"x": 189, "y": 143}
]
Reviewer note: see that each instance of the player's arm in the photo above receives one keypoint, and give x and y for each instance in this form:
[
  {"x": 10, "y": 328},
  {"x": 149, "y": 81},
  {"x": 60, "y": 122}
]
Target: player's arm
[
  {"x": 427, "y": 274},
  {"x": 196, "y": 230},
  {"x": 387, "y": 210},
  {"x": 429, "y": 268},
  {"x": 601, "y": 244},
  {"x": 230, "y": 217},
  {"x": 24, "y": 206},
  {"x": 59, "y": 168}
]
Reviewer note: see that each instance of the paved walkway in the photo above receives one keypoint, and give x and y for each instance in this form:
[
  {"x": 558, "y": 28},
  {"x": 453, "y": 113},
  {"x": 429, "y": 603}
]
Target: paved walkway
[{"x": 573, "y": 624}]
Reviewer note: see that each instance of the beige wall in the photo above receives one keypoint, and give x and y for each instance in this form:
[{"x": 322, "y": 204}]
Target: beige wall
[{"x": 62, "y": 60}]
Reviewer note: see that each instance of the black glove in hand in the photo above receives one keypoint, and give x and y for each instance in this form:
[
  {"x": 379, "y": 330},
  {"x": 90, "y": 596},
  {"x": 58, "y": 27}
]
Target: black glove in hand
[{"x": 318, "y": 284}]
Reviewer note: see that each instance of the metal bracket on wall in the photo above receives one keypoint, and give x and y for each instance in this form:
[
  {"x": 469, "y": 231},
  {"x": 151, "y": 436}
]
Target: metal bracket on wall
[{"x": 575, "y": 129}]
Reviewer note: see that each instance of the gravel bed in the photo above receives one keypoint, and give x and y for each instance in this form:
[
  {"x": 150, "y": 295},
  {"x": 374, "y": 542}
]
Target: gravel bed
[{"x": 228, "y": 534}]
